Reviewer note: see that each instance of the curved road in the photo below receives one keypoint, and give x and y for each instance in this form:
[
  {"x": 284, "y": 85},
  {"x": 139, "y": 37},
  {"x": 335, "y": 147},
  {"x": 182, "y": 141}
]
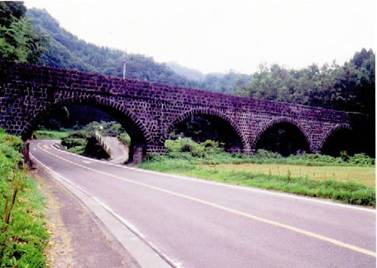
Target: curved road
[{"x": 195, "y": 223}]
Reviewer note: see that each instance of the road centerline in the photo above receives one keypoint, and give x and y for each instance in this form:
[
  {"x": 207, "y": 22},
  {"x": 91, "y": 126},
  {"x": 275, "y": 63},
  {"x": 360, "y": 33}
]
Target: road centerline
[{"x": 227, "y": 209}]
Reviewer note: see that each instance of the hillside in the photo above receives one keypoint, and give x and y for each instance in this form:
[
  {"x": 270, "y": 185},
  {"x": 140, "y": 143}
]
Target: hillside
[
  {"x": 228, "y": 83},
  {"x": 65, "y": 50}
]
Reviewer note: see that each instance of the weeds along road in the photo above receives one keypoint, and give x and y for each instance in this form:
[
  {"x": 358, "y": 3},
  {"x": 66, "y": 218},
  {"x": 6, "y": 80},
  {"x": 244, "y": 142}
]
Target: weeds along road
[{"x": 194, "y": 223}]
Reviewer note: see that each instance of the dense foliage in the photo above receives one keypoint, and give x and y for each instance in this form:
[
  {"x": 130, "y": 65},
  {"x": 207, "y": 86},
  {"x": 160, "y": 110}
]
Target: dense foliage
[
  {"x": 18, "y": 41},
  {"x": 23, "y": 236},
  {"x": 219, "y": 82},
  {"x": 349, "y": 87},
  {"x": 211, "y": 152}
]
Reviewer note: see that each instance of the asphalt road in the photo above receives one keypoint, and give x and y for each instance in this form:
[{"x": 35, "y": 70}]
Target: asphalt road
[{"x": 203, "y": 224}]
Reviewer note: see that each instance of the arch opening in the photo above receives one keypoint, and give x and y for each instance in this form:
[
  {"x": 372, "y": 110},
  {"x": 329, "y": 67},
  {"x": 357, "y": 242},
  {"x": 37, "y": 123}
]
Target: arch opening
[
  {"x": 201, "y": 127},
  {"x": 340, "y": 141},
  {"x": 79, "y": 115},
  {"x": 284, "y": 138}
]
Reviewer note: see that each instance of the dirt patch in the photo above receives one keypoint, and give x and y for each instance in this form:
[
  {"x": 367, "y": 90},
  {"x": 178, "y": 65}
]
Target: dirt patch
[{"x": 59, "y": 251}]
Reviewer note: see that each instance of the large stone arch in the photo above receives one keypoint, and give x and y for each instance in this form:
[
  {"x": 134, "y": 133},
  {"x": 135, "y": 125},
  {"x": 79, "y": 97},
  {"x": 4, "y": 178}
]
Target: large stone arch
[
  {"x": 140, "y": 136},
  {"x": 274, "y": 122},
  {"x": 331, "y": 132},
  {"x": 212, "y": 113}
]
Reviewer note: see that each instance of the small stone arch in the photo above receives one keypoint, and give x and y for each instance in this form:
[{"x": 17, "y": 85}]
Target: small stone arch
[
  {"x": 208, "y": 112},
  {"x": 140, "y": 136},
  {"x": 277, "y": 121},
  {"x": 333, "y": 131}
]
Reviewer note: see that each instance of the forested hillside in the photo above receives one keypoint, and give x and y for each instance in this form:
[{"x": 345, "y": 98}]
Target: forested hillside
[
  {"x": 220, "y": 82},
  {"x": 348, "y": 87},
  {"x": 65, "y": 50}
]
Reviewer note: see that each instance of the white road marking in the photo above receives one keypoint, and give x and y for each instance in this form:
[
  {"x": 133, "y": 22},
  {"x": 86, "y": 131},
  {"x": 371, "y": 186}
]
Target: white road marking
[
  {"x": 120, "y": 218},
  {"x": 127, "y": 224},
  {"x": 230, "y": 210}
]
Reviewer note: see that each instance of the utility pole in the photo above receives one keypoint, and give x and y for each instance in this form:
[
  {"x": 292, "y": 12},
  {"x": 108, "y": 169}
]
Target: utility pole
[{"x": 124, "y": 65}]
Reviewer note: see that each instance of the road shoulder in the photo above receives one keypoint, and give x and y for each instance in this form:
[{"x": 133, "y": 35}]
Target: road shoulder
[{"x": 77, "y": 237}]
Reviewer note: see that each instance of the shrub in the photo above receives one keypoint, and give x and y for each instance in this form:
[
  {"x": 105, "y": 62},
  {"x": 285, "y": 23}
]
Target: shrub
[
  {"x": 212, "y": 147},
  {"x": 266, "y": 154},
  {"x": 23, "y": 236},
  {"x": 211, "y": 152},
  {"x": 186, "y": 148},
  {"x": 185, "y": 145},
  {"x": 361, "y": 160}
]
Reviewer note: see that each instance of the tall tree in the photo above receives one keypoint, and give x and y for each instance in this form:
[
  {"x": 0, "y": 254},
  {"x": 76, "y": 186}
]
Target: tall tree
[{"x": 18, "y": 41}]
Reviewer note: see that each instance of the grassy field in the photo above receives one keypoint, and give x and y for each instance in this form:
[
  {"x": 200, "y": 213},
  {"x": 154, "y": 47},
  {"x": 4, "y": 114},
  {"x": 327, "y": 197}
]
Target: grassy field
[
  {"x": 351, "y": 190},
  {"x": 356, "y": 174},
  {"x": 23, "y": 236},
  {"x": 348, "y": 179},
  {"x": 51, "y": 134}
]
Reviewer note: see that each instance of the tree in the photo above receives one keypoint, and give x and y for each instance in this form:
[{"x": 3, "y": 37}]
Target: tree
[{"x": 18, "y": 41}]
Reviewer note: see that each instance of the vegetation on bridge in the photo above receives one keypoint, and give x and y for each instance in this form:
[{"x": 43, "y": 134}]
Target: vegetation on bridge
[
  {"x": 23, "y": 235},
  {"x": 293, "y": 174}
]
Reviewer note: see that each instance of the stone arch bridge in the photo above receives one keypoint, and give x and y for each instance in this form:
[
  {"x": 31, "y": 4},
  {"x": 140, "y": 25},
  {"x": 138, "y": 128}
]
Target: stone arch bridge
[{"x": 29, "y": 93}]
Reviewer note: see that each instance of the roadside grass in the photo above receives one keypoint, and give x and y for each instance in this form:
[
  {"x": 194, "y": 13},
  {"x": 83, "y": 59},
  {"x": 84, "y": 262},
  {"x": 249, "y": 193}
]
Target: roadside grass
[
  {"x": 348, "y": 179},
  {"x": 354, "y": 174},
  {"x": 23, "y": 235},
  {"x": 346, "y": 192},
  {"x": 52, "y": 134}
]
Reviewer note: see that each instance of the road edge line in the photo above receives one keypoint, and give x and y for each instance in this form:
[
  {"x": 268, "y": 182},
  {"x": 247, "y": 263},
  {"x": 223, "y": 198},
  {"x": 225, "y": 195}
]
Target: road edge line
[{"x": 144, "y": 252}]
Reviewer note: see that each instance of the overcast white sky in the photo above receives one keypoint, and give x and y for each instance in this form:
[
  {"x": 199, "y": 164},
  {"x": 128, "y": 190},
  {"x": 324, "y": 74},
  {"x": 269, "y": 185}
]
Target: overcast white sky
[{"x": 216, "y": 36}]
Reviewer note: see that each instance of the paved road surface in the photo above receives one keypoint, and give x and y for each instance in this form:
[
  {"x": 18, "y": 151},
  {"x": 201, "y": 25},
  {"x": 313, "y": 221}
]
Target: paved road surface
[{"x": 203, "y": 224}]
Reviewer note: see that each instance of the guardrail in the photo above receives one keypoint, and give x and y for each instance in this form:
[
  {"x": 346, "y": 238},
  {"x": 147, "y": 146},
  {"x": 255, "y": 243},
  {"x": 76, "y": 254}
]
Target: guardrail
[{"x": 101, "y": 141}]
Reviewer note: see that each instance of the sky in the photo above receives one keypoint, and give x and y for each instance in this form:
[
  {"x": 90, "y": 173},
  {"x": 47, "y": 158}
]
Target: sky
[{"x": 219, "y": 36}]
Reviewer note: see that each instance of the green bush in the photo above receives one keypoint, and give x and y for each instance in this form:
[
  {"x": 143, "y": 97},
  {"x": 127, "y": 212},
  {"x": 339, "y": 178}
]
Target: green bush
[
  {"x": 211, "y": 152},
  {"x": 186, "y": 148},
  {"x": 124, "y": 138},
  {"x": 261, "y": 153},
  {"x": 361, "y": 160},
  {"x": 212, "y": 147}
]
